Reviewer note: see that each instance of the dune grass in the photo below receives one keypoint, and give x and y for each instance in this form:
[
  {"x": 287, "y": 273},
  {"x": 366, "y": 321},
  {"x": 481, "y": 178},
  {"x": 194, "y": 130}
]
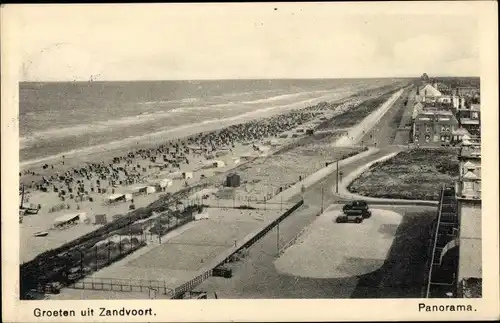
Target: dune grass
[{"x": 417, "y": 174}]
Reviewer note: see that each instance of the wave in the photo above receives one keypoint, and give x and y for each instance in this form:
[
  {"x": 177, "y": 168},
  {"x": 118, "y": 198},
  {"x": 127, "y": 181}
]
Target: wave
[{"x": 193, "y": 127}]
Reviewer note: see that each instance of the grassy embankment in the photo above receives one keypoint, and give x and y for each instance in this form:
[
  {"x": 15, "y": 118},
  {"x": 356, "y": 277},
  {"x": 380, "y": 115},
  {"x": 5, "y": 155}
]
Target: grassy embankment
[{"x": 417, "y": 174}]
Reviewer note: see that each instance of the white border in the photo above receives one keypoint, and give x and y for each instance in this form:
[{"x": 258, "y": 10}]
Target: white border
[{"x": 264, "y": 310}]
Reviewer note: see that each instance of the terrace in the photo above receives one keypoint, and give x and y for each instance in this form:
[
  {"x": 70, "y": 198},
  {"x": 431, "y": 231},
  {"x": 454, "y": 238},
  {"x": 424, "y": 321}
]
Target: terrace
[{"x": 470, "y": 251}]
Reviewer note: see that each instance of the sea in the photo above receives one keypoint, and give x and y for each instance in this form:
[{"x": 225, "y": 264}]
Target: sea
[{"x": 55, "y": 118}]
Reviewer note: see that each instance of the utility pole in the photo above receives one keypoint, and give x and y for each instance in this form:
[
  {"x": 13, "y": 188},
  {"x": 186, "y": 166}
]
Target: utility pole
[
  {"x": 337, "y": 181},
  {"x": 322, "y": 192},
  {"x": 278, "y": 239}
]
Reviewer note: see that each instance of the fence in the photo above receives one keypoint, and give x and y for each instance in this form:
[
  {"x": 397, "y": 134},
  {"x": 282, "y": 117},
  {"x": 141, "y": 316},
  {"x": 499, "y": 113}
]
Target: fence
[
  {"x": 123, "y": 285},
  {"x": 179, "y": 291},
  {"x": 441, "y": 281}
]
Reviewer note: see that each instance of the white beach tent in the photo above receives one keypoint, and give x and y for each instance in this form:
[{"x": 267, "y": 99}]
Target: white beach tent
[
  {"x": 201, "y": 216},
  {"x": 218, "y": 163},
  {"x": 166, "y": 182},
  {"x": 72, "y": 217},
  {"x": 150, "y": 189},
  {"x": 187, "y": 175},
  {"x": 115, "y": 197}
]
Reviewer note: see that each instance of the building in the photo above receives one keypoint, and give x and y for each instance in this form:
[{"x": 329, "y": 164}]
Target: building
[
  {"x": 470, "y": 118},
  {"x": 434, "y": 128},
  {"x": 470, "y": 91},
  {"x": 468, "y": 188},
  {"x": 428, "y": 94},
  {"x": 459, "y": 135}
]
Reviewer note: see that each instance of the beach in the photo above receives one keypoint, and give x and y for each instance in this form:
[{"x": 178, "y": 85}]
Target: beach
[{"x": 270, "y": 154}]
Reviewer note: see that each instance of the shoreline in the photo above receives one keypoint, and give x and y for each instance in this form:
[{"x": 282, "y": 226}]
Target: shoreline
[
  {"x": 89, "y": 153},
  {"x": 187, "y": 130}
]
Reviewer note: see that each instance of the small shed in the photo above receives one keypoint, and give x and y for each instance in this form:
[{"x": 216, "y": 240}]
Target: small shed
[
  {"x": 233, "y": 180},
  {"x": 101, "y": 219}
]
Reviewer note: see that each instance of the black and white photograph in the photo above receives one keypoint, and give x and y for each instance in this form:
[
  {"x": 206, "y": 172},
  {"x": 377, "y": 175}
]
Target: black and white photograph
[{"x": 251, "y": 151}]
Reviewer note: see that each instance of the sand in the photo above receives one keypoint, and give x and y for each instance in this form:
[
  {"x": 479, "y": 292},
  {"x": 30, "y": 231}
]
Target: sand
[{"x": 328, "y": 249}]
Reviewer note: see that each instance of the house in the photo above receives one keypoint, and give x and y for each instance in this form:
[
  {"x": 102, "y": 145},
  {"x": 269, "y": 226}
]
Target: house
[
  {"x": 434, "y": 128},
  {"x": 444, "y": 99},
  {"x": 470, "y": 119},
  {"x": 470, "y": 91},
  {"x": 417, "y": 109},
  {"x": 459, "y": 135},
  {"x": 429, "y": 93}
]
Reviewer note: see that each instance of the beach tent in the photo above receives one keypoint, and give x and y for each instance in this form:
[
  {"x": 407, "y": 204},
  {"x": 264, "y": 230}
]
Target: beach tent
[
  {"x": 176, "y": 175},
  {"x": 150, "y": 190},
  {"x": 218, "y": 163},
  {"x": 116, "y": 198},
  {"x": 187, "y": 175},
  {"x": 128, "y": 197},
  {"x": 167, "y": 182},
  {"x": 138, "y": 189},
  {"x": 236, "y": 160},
  {"x": 201, "y": 216},
  {"x": 71, "y": 218}
]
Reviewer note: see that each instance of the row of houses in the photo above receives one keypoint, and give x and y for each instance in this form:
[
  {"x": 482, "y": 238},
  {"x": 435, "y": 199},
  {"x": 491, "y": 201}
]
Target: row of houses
[{"x": 442, "y": 120}]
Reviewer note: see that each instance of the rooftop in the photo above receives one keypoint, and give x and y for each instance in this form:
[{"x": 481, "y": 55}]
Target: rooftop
[
  {"x": 471, "y": 151},
  {"x": 469, "y": 121}
]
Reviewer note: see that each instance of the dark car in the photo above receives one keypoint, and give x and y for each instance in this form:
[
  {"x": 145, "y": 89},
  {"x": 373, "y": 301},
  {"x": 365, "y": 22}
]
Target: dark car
[{"x": 358, "y": 205}]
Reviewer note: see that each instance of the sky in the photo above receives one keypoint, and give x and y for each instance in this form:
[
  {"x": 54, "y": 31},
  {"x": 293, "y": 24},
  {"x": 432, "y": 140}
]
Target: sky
[{"x": 164, "y": 42}]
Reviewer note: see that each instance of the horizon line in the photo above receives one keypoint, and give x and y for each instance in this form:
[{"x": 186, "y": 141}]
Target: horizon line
[{"x": 245, "y": 79}]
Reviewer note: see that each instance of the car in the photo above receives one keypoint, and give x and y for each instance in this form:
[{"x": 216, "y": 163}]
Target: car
[
  {"x": 357, "y": 204},
  {"x": 356, "y": 217}
]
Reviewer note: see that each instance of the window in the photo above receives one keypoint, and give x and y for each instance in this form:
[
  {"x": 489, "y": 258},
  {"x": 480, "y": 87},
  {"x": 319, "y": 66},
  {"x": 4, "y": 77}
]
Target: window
[
  {"x": 443, "y": 128},
  {"x": 427, "y": 129},
  {"x": 443, "y": 138},
  {"x": 427, "y": 138},
  {"x": 475, "y": 115}
]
